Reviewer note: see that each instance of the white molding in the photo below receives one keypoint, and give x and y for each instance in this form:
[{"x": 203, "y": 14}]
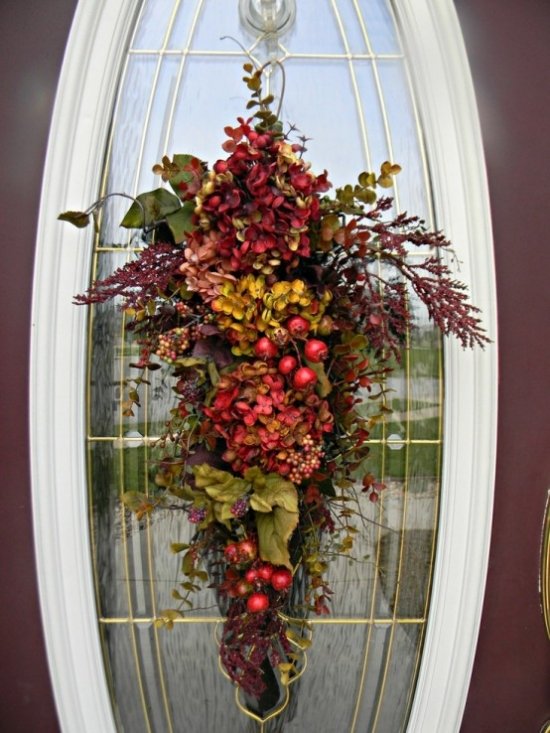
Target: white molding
[
  {"x": 72, "y": 175},
  {"x": 58, "y": 354},
  {"x": 445, "y": 95}
]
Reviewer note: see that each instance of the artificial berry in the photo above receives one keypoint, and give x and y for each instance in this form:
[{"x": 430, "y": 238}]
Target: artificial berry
[
  {"x": 281, "y": 579},
  {"x": 315, "y": 350},
  {"x": 297, "y": 326},
  {"x": 325, "y": 326},
  {"x": 221, "y": 166},
  {"x": 304, "y": 377},
  {"x": 231, "y": 552},
  {"x": 247, "y": 549},
  {"x": 287, "y": 364},
  {"x": 265, "y": 572},
  {"x": 243, "y": 588},
  {"x": 257, "y": 602},
  {"x": 251, "y": 575},
  {"x": 264, "y": 348}
]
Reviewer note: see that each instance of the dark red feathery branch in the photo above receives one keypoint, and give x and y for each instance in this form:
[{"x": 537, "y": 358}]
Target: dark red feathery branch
[{"x": 140, "y": 280}]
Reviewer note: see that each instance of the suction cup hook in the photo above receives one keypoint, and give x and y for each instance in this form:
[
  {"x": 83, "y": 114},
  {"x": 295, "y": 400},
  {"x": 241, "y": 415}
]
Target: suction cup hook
[{"x": 267, "y": 16}]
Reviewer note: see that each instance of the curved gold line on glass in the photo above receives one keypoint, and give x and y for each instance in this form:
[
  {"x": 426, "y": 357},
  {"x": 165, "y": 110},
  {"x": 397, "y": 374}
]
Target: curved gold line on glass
[
  {"x": 158, "y": 655},
  {"x": 381, "y": 503},
  {"x": 185, "y": 54},
  {"x": 285, "y": 685},
  {"x": 545, "y": 568},
  {"x": 351, "y": 67},
  {"x": 380, "y": 94},
  {"x": 333, "y": 621}
]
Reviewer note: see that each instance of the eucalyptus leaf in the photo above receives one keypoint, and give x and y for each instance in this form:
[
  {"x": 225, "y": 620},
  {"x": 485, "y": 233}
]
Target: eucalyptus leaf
[{"x": 79, "y": 219}]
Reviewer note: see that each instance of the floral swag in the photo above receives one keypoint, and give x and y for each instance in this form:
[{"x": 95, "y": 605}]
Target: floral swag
[{"x": 277, "y": 308}]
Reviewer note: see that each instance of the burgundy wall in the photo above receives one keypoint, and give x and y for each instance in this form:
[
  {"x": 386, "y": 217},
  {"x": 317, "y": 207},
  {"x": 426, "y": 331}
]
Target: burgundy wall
[
  {"x": 32, "y": 40},
  {"x": 508, "y": 46}
]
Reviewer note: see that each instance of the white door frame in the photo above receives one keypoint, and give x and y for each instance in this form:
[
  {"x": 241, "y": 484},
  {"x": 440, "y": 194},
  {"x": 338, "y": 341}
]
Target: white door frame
[{"x": 72, "y": 176}]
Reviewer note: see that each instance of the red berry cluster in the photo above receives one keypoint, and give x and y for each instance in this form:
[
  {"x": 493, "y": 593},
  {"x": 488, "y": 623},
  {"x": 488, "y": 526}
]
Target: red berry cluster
[
  {"x": 305, "y": 462},
  {"x": 173, "y": 344},
  {"x": 248, "y": 577}
]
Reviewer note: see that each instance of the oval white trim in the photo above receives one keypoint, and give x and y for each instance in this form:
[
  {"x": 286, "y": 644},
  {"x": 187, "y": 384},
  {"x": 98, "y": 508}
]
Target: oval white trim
[
  {"x": 72, "y": 174},
  {"x": 73, "y": 168}
]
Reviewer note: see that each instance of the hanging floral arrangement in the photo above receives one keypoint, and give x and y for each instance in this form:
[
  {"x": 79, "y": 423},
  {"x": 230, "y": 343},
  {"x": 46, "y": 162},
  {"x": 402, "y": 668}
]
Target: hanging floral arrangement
[{"x": 277, "y": 305}]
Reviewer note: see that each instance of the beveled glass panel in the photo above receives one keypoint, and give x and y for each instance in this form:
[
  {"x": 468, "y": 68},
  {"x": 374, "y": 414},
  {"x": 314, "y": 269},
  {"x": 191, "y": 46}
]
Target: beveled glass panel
[{"x": 347, "y": 89}]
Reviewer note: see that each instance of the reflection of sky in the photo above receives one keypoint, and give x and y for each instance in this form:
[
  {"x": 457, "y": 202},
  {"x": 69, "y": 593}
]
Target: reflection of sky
[{"x": 357, "y": 114}]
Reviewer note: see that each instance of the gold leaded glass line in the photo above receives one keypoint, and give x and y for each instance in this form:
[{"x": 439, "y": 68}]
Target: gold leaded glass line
[
  {"x": 287, "y": 54},
  {"x": 158, "y": 655},
  {"x": 440, "y": 381},
  {"x": 358, "y": 105},
  {"x": 368, "y": 640},
  {"x": 151, "y": 439},
  {"x": 180, "y": 72},
  {"x": 219, "y": 619},
  {"x": 138, "y": 668}
]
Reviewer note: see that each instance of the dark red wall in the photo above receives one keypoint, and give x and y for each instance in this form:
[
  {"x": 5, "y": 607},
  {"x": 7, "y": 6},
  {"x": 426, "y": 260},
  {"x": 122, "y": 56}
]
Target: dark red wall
[
  {"x": 32, "y": 40},
  {"x": 508, "y": 46}
]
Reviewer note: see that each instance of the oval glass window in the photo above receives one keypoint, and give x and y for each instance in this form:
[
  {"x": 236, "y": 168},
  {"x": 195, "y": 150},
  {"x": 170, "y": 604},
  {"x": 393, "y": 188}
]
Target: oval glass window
[{"x": 348, "y": 90}]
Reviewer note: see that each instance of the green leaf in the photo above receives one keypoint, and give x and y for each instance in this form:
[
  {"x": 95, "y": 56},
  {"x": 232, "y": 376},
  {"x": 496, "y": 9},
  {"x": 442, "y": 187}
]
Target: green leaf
[
  {"x": 180, "y": 222},
  {"x": 134, "y": 500},
  {"x": 167, "y": 617},
  {"x": 182, "y": 160},
  {"x": 183, "y": 491},
  {"x": 213, "y": 372},
  {"x": 254, "y": 83},
  {"x": 367, "y": 180},
  {"x": 191, "y": 361},
  {"x": 259, "y": 503},
  {"x": 326, "y": 487},
  {"x": 78, "y": 218},
  {"x": 385, "y": 181},
  {"x": 155, "y": 205},
  {"x": 274, "y": 531},
  {"x": 188, "y": 564},
  {"x": 178, "y": 547},
  {"x": 219, "y": 485},
  {"x": 222, "y": 513},
  {"x": 323, "y": 387},
  {"x": 301, "y": 641},
  {"x": 275, "y": 492},
  {"x": 186, "y": 169}
]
